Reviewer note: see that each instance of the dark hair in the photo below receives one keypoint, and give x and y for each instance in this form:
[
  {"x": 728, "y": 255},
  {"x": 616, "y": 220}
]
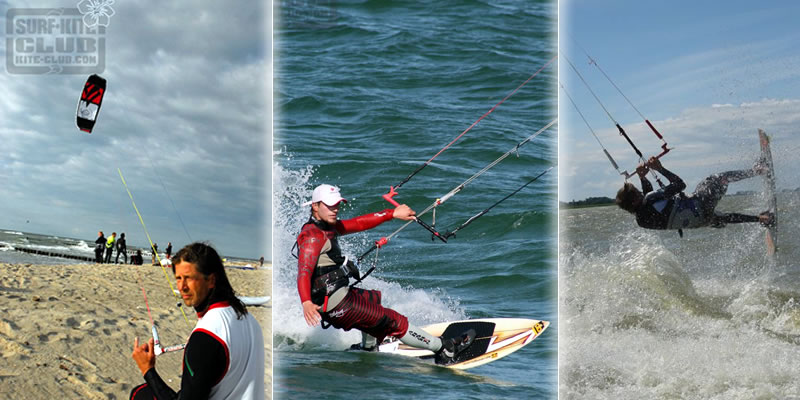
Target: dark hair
[
  {"x": 209, "y": 263},
  {"x": 626, "y": 197}
]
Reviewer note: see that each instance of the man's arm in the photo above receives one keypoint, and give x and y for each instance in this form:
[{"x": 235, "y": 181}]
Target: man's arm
[
  {"x": 370, "y": 221},
  {"x": 309, "y": 246},
  {"x": 676, "y": 184},
  {"x": 205, "y": 362}
]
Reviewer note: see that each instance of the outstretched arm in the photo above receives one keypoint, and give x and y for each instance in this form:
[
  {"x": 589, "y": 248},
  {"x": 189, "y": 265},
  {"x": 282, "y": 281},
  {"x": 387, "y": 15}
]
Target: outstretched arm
[
  {"x": 370, "y": 221},
  {"x": 641, "y": 170}
]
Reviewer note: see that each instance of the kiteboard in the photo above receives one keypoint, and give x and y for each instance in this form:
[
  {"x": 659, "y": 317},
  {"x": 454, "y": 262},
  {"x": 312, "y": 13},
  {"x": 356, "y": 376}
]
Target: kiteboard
[
  {"x": 772, "y": 200},
  {"x": 495, "y": 338},
  {"x": 90, "y": 102}
]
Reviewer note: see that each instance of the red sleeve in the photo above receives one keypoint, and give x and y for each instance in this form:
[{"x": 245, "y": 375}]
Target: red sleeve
[
  {"x": 364, "y": 222},
  {"x": 309, "y": 246}
]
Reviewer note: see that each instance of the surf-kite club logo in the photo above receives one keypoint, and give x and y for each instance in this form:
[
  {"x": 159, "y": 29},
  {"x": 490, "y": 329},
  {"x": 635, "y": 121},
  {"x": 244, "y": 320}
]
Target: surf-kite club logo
[{"x": 58, "y": 40}]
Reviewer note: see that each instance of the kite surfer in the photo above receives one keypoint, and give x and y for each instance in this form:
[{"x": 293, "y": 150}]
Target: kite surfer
[
  {"x": 323, "y": 278},
  {"x": 122, "y": 247},
  {"x": 224, "y": 357},
  {"x": 99, "y": 247},
  {"x": 670, "y": 208}
]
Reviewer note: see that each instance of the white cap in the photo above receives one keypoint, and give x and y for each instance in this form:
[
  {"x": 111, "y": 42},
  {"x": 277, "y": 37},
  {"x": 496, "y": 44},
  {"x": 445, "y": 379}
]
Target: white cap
[{"x": 327, "y": 194}]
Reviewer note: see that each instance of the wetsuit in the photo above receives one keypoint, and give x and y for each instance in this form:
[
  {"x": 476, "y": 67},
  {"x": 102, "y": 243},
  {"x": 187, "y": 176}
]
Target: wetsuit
[
  {"x": 670, "y": 208},
  {"x": 345, "y": 308},
  {"x": 99, "y": 247},
  {"x": 223, "y": 359},
  {"x": 122, "y": 248}
]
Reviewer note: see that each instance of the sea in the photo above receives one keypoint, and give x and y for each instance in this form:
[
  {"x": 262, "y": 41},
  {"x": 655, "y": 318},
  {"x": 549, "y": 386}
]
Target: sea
[
  {"x": 649, "y": 315},
  {"x": 12, "y": 240},
  {"x": 365, "y": 93}
]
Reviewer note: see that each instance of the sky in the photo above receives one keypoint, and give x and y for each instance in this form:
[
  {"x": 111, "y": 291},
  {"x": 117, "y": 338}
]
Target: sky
[
  {"x": 707, "y": 75},
  {"x": 186, "y": 118}
]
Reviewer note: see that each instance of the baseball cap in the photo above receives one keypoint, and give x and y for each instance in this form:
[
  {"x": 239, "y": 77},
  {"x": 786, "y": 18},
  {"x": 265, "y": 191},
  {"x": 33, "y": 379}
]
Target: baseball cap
[{"x": 327, "y": 194}]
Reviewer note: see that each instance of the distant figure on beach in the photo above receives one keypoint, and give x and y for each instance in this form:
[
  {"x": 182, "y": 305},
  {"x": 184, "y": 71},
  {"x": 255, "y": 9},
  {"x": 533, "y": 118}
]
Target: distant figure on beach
[
  {"x": 155, "y": 253},
  {"x": 110, "y": 246},
  {"x": 169, "y": 249},
  {"x": 122, "y": 247},
  {"x": 99, "y": 247},
  {"x": 224, "y": 356},
  {"x": 670, "y": 208},
  {"x": 136, "y": 259},
  {"x": 261, "y": 262}
]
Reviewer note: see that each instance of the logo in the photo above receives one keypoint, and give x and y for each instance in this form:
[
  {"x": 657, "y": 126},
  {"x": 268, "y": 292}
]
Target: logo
[
  {"x": 57, "y": 40},
  {"x": 419, "y": 337},
  {"x": 337, "y": 313}
]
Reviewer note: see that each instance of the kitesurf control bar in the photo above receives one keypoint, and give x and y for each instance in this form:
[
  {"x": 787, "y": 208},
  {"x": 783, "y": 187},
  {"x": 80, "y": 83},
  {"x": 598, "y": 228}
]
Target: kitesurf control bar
[{"x": 388, "y": 197}]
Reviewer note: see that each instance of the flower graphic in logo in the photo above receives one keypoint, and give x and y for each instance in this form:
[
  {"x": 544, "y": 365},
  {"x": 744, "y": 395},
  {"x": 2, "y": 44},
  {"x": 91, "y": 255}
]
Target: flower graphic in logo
[{"x": 96, "y": 12}]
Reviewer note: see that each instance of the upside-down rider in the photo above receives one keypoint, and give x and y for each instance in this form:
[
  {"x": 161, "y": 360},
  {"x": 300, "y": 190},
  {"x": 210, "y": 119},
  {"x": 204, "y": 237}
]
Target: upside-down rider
[
  {"x": 670, "y": 208},
  {"x": 323, "y": 277}
]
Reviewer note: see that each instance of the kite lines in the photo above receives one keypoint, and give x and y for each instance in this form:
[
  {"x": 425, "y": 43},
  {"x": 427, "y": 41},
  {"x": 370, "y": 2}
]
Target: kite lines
[{"x": 664, "y": 146}]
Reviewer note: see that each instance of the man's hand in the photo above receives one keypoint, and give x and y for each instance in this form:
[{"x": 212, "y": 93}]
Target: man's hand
[
  {"x": 654, "y": 163},
  {"x": 144, "y": 355},
  {"x": 404, "y": 212},
  {"x": 642, "y": 170},
  {"x": 310, "y": 311}
]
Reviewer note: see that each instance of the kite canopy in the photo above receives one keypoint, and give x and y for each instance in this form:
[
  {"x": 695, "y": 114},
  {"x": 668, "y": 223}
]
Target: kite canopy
[{"x": 90, "y": 102}]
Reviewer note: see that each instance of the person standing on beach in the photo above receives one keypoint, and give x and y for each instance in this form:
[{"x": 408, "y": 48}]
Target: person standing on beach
[
  {"x": 121, "y": 248},
  {"x": 323, "y": 277},
  {"x": 168, "y": 251},
  {"x": 110, "y": 246},
  {"x": 224, "y": 357},
  {"x": 99, "y": 247},
  {"x": 155, "y": 253}
]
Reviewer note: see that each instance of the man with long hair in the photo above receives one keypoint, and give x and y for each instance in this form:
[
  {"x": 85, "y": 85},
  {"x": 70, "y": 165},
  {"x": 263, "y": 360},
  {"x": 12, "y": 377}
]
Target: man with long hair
[
  {"x": 224, "y": 357},
  {"x": 670, "y": 208}
]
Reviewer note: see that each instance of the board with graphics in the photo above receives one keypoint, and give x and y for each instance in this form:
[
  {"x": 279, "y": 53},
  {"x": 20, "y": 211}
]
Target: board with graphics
[{"x": 495, "y": 339}]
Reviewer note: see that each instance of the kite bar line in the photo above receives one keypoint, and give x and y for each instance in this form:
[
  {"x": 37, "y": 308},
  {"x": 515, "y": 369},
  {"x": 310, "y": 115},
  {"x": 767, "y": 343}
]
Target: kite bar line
[
  {"x": 392, "y": 189},
  {"x": 151, "y": 245},
  {"x": 592, "y": 61},
  {"x": 439, "y": 201},
  {"x": 626, "y": 174},
  {"x": 619, "y": 127},
  {"x": 480, "y": 214}
]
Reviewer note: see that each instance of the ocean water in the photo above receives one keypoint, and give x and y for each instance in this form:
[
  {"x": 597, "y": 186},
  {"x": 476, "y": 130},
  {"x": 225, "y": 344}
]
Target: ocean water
[
  {"x": 367, "y": 91},
  {"x": 11, "y": 239},
  {"x": 648, "y": 315}
]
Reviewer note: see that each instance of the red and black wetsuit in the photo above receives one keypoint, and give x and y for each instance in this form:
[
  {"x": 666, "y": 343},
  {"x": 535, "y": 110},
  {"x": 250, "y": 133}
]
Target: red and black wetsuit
[{"x": 318, "y": 252}]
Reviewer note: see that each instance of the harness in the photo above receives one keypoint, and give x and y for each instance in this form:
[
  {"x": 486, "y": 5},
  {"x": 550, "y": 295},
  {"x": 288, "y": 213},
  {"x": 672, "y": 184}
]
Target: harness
[{"x": 325, "y": 280}]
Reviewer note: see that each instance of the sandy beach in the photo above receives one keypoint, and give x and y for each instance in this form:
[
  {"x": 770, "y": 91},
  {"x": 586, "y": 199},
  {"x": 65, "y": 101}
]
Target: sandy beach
[{"x": 67, "y": 331}]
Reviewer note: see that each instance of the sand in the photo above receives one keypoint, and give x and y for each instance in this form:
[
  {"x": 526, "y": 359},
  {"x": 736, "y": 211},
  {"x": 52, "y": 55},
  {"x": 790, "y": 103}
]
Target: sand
[{"x": 67, "y": 331}]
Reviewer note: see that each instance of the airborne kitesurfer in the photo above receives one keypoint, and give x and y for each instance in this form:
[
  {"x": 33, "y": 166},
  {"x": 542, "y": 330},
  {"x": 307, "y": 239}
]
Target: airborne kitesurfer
[
  {"x": 224, "y": 357},
  {"x": 323, "y": 278},
  {"x": 670, "y": 208}
]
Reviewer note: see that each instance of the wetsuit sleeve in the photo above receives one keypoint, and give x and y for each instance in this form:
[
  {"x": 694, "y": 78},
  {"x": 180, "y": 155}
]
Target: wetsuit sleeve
[
  {"x": 309, "y": 246},
  {"x": 676, "y": 184},
  {"x": 158, "y": 387},
  {"x": 647, "y": 187},
  {"x": 205, "y": 362},
  {"x": 364, "y": 222}
]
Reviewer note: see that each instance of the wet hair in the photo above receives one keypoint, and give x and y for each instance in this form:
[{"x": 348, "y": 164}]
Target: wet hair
[
  {"x": 209, "y": 263},
  {"x": 626, "y": 197}
]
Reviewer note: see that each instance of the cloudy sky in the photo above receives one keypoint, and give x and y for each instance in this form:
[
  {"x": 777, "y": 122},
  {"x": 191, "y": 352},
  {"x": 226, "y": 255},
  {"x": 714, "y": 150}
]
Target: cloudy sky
[
  {"x": 706, "y": 74},
  {"x": 186, "y": 118}
]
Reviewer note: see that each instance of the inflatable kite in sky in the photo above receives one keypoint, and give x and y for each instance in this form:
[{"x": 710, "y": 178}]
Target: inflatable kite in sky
[{"x": 89, "y": 104}]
